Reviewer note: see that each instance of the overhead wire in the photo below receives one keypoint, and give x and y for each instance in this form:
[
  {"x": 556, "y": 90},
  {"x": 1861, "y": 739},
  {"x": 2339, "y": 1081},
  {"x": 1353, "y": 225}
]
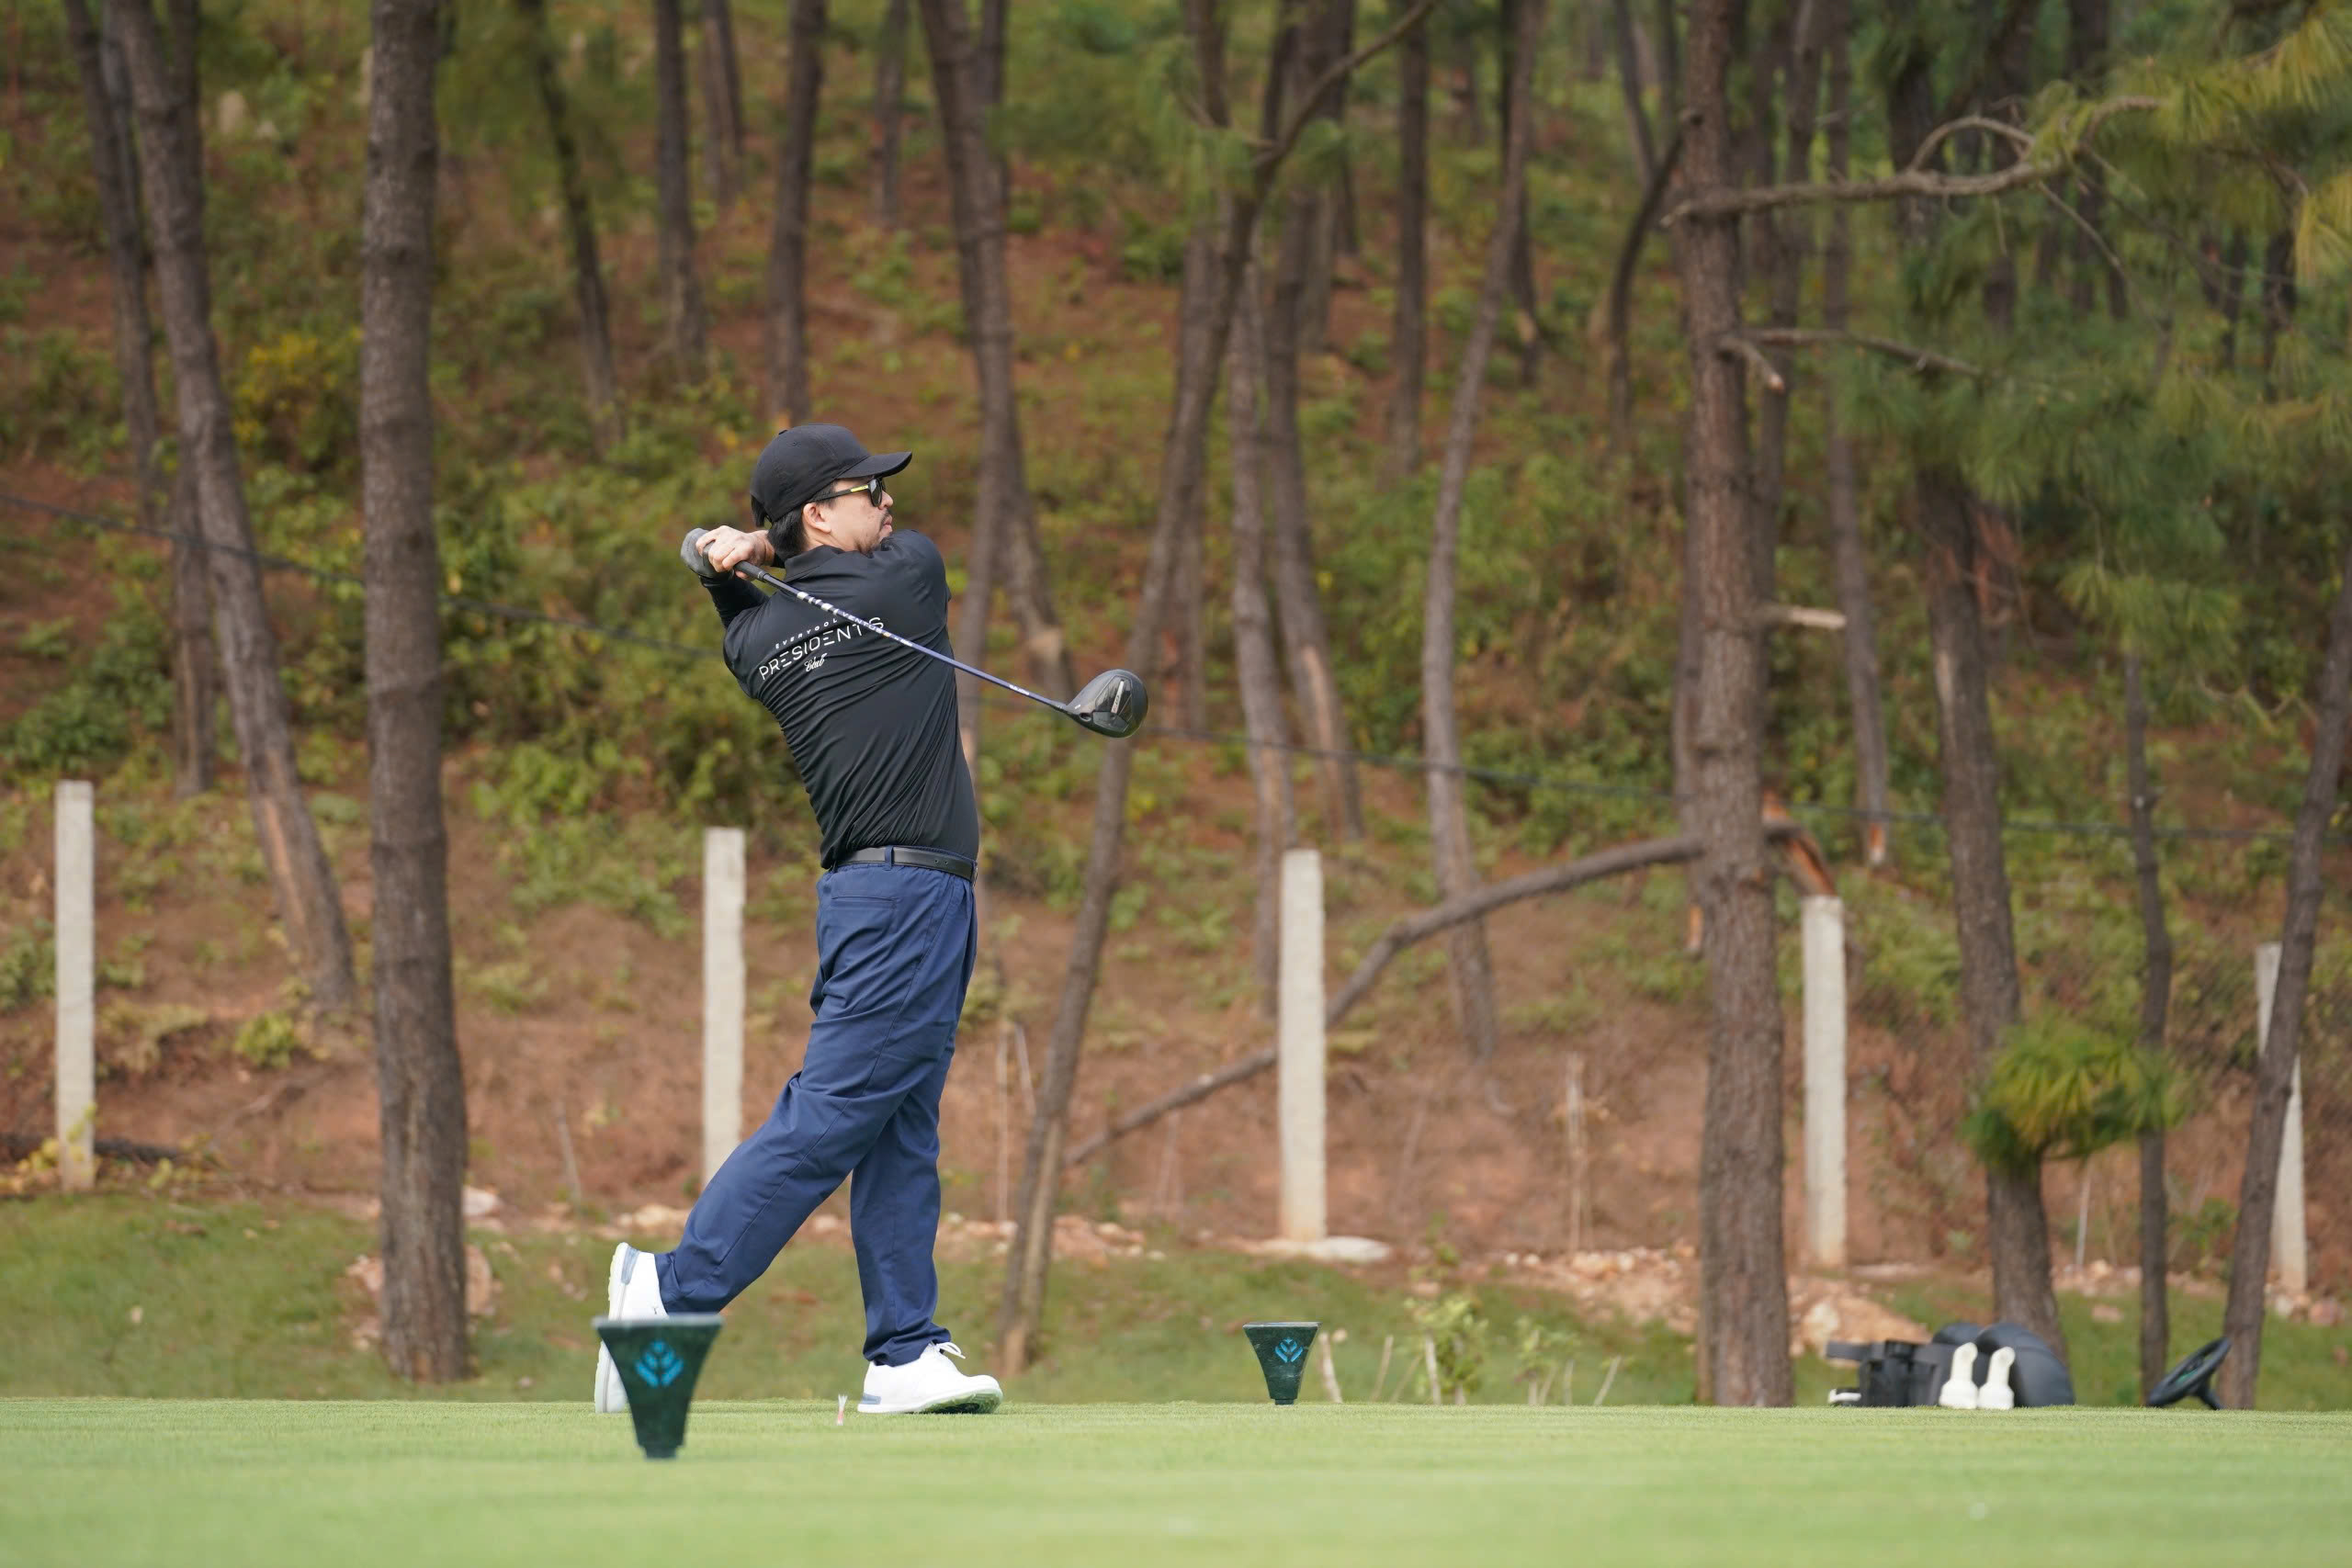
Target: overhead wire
[{"x": 1500, "y": 778}]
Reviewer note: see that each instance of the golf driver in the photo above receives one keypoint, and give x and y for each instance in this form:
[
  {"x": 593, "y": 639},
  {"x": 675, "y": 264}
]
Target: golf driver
[{"x": 1111, "y": 703}]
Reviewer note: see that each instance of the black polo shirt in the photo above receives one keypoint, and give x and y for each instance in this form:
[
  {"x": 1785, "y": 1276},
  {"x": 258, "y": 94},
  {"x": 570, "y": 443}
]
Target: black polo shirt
[{"x": 872, "y": 725}]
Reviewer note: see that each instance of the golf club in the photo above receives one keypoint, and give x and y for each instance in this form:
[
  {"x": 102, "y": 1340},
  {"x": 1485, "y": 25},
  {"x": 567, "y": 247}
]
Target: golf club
[{"x": 1113, "y": 704}]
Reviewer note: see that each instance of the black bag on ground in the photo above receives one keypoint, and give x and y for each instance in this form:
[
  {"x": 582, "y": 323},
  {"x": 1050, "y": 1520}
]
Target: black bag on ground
[
  {"x": 1894, "y": 1372},
  {"x": 1897, "y": 1373}
]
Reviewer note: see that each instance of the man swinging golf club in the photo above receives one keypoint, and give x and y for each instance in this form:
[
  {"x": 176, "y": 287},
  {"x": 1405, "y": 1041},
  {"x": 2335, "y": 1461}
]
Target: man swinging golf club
[{"x": 872, "y": 726}]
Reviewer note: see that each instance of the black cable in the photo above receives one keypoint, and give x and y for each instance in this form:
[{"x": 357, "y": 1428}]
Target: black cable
[{"x": 1495, "y": 776}]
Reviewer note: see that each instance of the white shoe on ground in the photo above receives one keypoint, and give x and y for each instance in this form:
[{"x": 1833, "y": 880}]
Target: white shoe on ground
[
  {"x": 1996, "y": 1394},
  {"x": 632, "y": 1290},
  {"x": 929, "y": 1384},
  {"x": 1959, "y": 1392}
]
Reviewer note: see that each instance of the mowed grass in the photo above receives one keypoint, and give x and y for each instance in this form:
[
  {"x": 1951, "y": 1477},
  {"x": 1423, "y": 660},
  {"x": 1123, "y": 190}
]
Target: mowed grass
[{"x": 137, "y": 1481}]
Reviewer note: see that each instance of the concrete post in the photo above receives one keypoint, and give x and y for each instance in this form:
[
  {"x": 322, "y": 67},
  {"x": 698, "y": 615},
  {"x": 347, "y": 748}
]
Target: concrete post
[
  {"x": 1825, "y": 1081},
  {"x": 722, "y": 995},
  {"x": 1300, "y": 1039},
  {"x": 76, "y": 986},
  {"x": 2290, "y": 1247}
]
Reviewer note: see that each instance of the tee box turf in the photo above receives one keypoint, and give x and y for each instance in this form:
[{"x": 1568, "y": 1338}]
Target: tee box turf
[
  {"x": 658, "y": 1358},
  {"x": 1282, "y": 1355}
]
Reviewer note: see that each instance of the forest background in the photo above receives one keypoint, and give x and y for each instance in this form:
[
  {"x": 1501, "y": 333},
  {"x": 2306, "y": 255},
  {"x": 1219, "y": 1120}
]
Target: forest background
[{"x": 2128, "y": 365}]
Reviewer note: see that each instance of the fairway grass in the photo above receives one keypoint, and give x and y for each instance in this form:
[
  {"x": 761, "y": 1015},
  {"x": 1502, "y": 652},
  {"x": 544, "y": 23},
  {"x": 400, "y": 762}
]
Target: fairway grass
[{"x": 353, "y": 1484}]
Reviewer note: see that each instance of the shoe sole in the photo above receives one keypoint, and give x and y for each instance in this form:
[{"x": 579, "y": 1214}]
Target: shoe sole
[
  {"x": 612, "y": 1394},
  {"x": 976, "y": 1403}
]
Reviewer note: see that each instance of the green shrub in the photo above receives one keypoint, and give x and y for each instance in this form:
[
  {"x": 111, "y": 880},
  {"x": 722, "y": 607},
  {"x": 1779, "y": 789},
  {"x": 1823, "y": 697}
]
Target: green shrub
[
  {"x": 269, "y": 1041},
  {"x": 27, "y": 966},
  {"x": 1460, "y": 1332},
  {"x": 57, "y": 397},
  {"x": 297, "y": 402},
  {"x": 2060, "y": 1091}
]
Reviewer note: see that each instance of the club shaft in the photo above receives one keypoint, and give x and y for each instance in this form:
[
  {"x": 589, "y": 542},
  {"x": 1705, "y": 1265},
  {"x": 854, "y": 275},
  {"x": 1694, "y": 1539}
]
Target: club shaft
[{"x": 761, "y": 575}]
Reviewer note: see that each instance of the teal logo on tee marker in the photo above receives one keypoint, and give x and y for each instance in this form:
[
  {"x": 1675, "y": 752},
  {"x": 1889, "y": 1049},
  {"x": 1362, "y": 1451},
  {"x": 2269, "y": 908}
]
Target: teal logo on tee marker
[{"x": 659, "y": 1365}]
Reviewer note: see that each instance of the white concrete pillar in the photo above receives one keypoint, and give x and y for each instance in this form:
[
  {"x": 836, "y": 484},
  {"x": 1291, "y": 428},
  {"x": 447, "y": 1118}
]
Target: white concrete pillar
[
  {"x": 1300, "y": 1039},
  {"x": 1825, "y": 1081},
  {"x": 2290, "y": 1247},
  {"x": 722, "y": 995},
  {"x": 77, "y": 972}
]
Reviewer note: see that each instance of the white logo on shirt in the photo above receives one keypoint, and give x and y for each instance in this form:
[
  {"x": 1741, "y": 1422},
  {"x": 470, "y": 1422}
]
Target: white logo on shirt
[{"x": 810, "y": 652}]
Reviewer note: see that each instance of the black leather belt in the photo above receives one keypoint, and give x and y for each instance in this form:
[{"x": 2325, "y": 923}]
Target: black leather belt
[{"x": 899, "y": 854}]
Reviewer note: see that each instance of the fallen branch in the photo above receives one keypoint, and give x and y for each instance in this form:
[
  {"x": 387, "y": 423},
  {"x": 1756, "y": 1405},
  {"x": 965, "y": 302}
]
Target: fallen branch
[
  {"x": 1403, "y": 934},
  {"x": 24, "y": 1145}
]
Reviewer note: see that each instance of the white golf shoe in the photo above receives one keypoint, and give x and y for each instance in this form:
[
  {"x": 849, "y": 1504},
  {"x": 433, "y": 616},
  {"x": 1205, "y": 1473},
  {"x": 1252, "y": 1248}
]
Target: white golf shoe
[
  {"x": 1996, "y": 1394},
  {"x": 632, "y": 1290},
  {"x": 1959, "y": 1392},
  {"x": 929, "y": 1383}
]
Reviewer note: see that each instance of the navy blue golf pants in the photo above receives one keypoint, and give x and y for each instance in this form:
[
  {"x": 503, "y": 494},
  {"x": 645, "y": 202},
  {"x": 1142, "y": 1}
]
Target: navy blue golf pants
[{"x": 895, "y": 946}]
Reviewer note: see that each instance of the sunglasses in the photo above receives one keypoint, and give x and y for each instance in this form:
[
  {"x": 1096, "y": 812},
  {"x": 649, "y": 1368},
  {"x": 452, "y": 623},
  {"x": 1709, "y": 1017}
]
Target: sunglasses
[{"x": 872, "y": 490}]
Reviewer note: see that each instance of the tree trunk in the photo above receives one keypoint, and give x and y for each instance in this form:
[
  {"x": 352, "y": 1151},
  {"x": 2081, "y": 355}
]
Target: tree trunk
[
  {"x": 196, "y": 673},
  {"x": 2155, "y": 999},
  {"x": 890, "y": 113},
  {"x": 1784, "y": 245},
  {"x": 1744, "y": 1285},
  {"x": 682, "y": 294},
  {"x": 421, "y": 1086},
  {"x": 1328, "y": 26},
  {"x": 1183, "y": 455},
  {"x": 599, "y": 382},
  {"x": 2018, "y": 1229},
  {"x": 1257, "y": 670},
  {"x": 1298, "y": 599},
  {"x": 1669, "y": 57},
  {"x": 1510, "y": 86},
  {"x": 1347, "y": 239},
  {"x": 1844, "y": 488},
  {"x": 1629, "y": 85},
  {"x": 1188, "y": 612},
  {"x": 1006, "y": 516},
  {"x": 2233, "y": 297},
  {"x": 988, "y": 64},
  {"x": 786, "y": 337},
  {"x": 106, "y": 102},
  {"x": 718, "y": 18},
  {"x": 2242, "y": 1320},
  {"x": 722, "y": 98},
  {"x": 170, "y": 163},
  {"x": 1411, "y": 333},
  {"x": 1620, "y": 352},
  {"x": 1456, "y": 868},
  {"x": 2277, "y": 296}
]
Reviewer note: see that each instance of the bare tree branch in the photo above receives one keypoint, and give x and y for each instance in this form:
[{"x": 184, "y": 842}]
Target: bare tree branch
[
  {"x": 1724, "y": 202},
  {"x": 1951, "y": 128},
  {"x": 1270, "y": 157},
  {"x": 1815, "y": 337},
  {"x": 1737, "y": 347}
]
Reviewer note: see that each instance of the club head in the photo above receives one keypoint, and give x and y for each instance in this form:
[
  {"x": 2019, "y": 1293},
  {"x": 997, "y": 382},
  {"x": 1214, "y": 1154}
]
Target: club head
[{"x": 1111, "y": 703}]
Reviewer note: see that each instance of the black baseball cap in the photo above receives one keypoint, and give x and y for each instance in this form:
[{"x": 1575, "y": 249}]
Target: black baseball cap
[{"x": 801, "y": 462}]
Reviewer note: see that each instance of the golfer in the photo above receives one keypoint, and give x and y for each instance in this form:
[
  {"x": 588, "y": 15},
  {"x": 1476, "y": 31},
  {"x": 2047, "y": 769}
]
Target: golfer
[{"x": 872, "y": 728}]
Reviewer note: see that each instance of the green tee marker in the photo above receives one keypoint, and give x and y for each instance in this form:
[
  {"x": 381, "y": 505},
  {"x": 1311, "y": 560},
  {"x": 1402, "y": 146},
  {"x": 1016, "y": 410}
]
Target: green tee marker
[
  {"x": 1282, "y": 1355},
  {"x": 659, "y": 1359}
]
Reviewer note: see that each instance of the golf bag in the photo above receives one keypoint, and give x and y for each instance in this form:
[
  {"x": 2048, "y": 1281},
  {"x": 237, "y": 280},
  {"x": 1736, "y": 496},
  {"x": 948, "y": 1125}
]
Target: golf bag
[{"x": 1898, "y": 1372}]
